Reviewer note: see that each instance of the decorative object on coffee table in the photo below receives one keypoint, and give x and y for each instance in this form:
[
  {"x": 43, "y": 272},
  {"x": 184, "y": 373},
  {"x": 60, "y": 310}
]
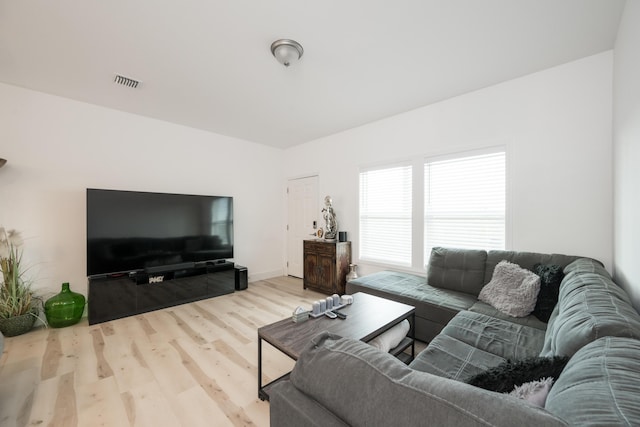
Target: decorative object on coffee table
[
  {"x": 65, "y": 308},
  {"x": 19, "y": 306}
]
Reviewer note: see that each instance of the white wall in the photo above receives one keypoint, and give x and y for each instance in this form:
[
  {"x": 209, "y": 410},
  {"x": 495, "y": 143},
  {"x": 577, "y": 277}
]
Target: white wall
[
  {"x": 627, "y": 152},
  {"x": 556, "y": 125},
  {"x": 56, "y": 148}
]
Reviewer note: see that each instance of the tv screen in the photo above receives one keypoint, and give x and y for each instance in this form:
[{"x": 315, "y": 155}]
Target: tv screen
[{"x": 131, "y": 231}]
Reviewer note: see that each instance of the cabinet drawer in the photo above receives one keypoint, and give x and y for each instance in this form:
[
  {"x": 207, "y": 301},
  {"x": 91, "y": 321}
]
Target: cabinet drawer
[{"x": 320, "y": 247}]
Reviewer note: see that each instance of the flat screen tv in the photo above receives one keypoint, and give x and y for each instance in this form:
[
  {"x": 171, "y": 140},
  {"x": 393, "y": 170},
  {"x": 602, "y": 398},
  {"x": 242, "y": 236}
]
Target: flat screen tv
[{"x": 130, "y": 231}]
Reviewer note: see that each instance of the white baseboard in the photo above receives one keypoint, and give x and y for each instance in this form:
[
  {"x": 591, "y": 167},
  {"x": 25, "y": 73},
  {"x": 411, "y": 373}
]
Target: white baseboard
[{"x": 254, "y": 277}]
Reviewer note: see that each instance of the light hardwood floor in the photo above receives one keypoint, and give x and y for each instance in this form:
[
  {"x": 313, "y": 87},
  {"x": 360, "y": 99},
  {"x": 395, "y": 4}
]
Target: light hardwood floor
[{"x": 190, "y": 365}]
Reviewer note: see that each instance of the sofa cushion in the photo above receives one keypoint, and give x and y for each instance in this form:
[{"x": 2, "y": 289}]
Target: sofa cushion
[
  {"x": 524, "y": 259},
  {"x": 512, "y": 289},
  {"x": 510, "y": 374},
  {"x": 450, "y": 358},
  {"x": 551, "y": 276},
  {"x": 590, "y": 306},
  {"x": 460, "y": 270},
  {"x": 530, "y": 320},
  {"x": 600, "y": 385},
  {"x": 500, "y": 337},
  {"x": 473, "y": 342}
]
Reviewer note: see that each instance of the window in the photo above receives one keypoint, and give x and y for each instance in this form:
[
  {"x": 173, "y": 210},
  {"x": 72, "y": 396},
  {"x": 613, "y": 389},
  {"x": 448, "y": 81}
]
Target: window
[
  {"x": 406, "y": 209},
  {"x": 386, "y": 215},
  {"x": 465, "y": 202},
  {"x": 222, "y": 219}
]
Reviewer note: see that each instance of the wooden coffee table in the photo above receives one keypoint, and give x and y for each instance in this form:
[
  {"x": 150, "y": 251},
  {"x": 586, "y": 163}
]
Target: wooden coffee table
[{"x": 368, "y": 317}]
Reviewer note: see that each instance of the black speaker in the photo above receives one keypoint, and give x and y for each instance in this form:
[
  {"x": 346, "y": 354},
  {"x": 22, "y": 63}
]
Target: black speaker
[
  {"x": 342, "y": 236},
  {"x": 242, "y": 278}
]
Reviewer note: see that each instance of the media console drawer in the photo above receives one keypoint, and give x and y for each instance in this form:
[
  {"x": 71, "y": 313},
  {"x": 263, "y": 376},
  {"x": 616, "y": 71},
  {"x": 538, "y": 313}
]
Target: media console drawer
[{"x": 115, "y": 297}]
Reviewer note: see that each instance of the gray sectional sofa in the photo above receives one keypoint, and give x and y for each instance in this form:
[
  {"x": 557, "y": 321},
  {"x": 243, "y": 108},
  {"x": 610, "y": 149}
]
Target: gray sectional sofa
[
  {"x": 341, "y": 382},
  {"x": 454, "y": 280}
]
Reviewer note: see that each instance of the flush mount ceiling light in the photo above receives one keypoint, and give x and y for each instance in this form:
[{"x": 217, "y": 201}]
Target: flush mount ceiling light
[
  {"x": 2, "y": 162},
  {"x": 286, "y": 51}
]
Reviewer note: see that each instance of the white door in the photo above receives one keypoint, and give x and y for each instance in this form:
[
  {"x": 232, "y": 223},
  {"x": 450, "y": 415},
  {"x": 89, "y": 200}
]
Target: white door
[{"x": 303, "y": 220}]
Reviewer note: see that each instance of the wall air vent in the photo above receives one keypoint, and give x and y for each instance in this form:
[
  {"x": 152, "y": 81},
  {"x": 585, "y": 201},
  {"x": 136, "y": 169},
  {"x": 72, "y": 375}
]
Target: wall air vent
[{"x": 126, "y": 81}]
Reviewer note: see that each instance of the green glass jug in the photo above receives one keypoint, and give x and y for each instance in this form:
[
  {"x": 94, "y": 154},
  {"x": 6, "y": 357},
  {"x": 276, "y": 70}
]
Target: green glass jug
[{"x": 64, "y": 309}]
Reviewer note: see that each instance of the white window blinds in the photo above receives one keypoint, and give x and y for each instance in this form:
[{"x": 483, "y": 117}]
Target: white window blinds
[
  {"x": 385, "y": 215},
  {"x": 465, "y": 202}
]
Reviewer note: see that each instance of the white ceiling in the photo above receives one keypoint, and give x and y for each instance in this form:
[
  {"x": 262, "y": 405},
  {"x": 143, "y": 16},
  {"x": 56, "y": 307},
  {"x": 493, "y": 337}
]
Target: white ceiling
[{"x": 207, "y": 64}]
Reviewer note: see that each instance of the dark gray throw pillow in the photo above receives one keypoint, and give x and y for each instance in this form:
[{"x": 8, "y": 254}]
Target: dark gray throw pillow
[
  {"x": 551, "y": 276},
  {"x": 508, "y": 375}
]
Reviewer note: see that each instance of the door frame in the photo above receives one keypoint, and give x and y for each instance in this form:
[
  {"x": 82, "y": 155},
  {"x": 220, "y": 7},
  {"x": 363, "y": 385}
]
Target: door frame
[{"x": 314, "y": 207}]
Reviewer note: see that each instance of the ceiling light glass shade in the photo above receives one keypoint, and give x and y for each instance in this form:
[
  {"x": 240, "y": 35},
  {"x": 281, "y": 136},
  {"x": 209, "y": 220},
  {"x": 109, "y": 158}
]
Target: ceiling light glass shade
[{"x": 286, "y": 51}]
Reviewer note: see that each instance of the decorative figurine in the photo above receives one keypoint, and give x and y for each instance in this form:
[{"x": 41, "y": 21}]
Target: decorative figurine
[{"x": 331, "y": 225}]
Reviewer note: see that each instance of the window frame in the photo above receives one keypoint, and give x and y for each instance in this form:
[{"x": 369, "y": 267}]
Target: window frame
[
  {"x": 411, "y": 217},
  {"x": 465, "y": 156},
  {"x": 419, "y": 258}
]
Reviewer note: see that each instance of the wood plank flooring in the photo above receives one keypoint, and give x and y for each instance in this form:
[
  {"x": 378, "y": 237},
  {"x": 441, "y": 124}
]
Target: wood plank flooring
[{"x": 190, "y": 365}]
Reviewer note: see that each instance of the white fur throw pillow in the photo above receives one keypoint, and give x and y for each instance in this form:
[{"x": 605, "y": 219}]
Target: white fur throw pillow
[
  {"x": 512, "y": 289},
  {"x": 534, "y": 392}
]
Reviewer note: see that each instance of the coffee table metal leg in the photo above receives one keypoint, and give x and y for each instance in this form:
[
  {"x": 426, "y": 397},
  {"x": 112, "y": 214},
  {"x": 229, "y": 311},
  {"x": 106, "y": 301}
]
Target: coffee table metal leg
[
  {"x": 262, "y": 389},
  {"x": 261, "y": 394},
  {"x": 413, "y": 335}
]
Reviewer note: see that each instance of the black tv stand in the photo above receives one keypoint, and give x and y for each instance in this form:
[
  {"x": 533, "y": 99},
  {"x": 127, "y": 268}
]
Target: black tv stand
[{"x": 115, "y": 296}]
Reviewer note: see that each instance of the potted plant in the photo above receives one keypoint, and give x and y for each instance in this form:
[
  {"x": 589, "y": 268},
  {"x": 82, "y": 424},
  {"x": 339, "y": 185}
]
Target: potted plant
[{"x": 19, "y": 306}]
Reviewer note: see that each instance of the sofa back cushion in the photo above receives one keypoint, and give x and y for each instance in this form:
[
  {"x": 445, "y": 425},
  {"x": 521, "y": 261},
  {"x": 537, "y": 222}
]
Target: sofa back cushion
[
  {"x": 587, "y": 265},
  {"x": 600, "y": 385},
  {"x": 461, "y": 270},
  {"x": 590, "y": 306},
  {"x": 524, "y": 259}
]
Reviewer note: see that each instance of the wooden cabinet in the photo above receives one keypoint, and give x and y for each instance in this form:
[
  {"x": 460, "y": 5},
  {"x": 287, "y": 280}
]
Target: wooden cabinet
[{"x": 326, "y": 265}]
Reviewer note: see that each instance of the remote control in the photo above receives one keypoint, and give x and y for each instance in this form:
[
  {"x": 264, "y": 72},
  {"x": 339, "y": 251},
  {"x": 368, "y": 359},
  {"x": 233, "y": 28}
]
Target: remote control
[
  {"x": 340, "y": 314},
  {"x": 330, "y": 314}
]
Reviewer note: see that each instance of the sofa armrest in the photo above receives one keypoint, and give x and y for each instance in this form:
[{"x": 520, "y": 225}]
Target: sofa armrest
[
  {"x": 365, "y": 387},
  {"x": 289, "y": 407}
]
